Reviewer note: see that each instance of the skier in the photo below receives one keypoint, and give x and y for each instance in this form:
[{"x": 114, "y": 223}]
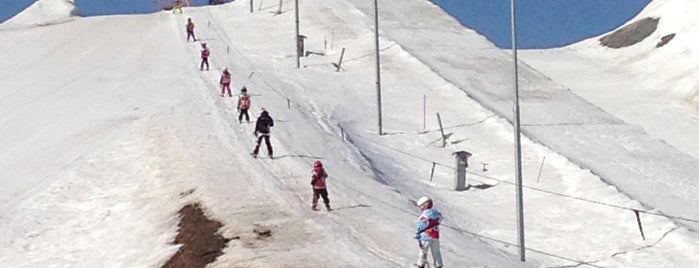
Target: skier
[
  {"x": 177, "y": 7},
  {"x": 262, "y": 126},
  {"x": 428, "y": 232},
  {"x": 243, "y": 105},
  {"x": 319, "y": 187},
  {"x": 204, "y": 57},
  {"x": 225, "y": 82},
  {"x": 190, "y": 30}
]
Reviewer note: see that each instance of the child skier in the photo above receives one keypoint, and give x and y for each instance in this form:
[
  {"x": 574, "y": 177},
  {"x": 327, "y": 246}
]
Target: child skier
[
  {"x": 190, "y": 30},
  {"x": 428, "y": 232},
  {"x": 243, "y": 105},
  {"x": 262, "y": 126},
  {"x": 177, "y": 7},
  {"x": 319, "y": 187},
  {"x": 204, "y": 57},
  {"x": 225, "y": 82}
]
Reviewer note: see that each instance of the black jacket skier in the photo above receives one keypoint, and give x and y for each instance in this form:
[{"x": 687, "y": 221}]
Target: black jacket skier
[{"x": 262, "y": 127}]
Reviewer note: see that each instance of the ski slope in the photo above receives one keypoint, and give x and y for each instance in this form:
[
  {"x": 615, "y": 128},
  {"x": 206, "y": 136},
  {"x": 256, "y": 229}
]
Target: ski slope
[{"x": 111, "y": 128}]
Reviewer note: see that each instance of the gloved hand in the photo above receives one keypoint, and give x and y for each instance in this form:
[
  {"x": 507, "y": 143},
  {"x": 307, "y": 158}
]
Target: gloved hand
[
  {"x": 255, "y": 133},
  {"x": 313, "y": 181},
  {"x": 418, "y": 236}
]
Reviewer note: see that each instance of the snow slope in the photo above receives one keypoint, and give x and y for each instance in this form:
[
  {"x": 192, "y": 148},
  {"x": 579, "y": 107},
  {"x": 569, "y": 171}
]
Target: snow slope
[
  {"x": 42, "y": 12},
  {"x": 664, "y": 106},
  {"x": 122, "y": 129},
  {"x": 639, "y": 165}
]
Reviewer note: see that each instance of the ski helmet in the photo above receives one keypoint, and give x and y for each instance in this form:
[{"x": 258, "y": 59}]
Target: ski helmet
[
  {"x": 244, "y": 90},
  {"x": 317, "y": 164},
  {"x": 225, "y": 69},
  {"x": 423, "y": 200}
]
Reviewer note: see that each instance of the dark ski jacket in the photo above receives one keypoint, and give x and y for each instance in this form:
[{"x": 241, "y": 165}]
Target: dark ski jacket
[{"x": 264, "y": 122}]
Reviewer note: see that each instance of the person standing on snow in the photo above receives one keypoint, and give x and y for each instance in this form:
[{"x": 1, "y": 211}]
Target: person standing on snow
[
  {"x": 190, "y": 30},
  {"x": 177, "y": 7},
  {"x": 319, "y": 187},
  {"x": 243, "y": 105},
  {"x": 262, "y": 126},
  {"x": 225, "y": 82},
  {"x": 428, "y": 232},
  {"x": 204, "y": 57}
]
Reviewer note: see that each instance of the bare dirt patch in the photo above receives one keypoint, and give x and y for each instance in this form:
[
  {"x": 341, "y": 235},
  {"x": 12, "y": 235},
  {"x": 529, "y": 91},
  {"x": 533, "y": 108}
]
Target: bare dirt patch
[
  {"x": 630, "y": 34},
  {"x": 198, "y": 235}
]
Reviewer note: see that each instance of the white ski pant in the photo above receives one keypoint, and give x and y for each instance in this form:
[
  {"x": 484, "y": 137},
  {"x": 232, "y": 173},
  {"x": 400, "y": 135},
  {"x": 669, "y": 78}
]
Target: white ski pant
[{"x": 430, "y": 245}]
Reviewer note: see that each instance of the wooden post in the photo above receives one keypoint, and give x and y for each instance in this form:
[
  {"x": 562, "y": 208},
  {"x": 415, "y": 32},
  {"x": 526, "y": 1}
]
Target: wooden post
[
  {"x": 288, "y": 103},
  {"x": 540, "y": 168},
  {"x": 339, "y": 63},
  {"x": 432, "y": 172},
  {"x": 424, "y": 112},
  {"x": 279, "y": 11},
  {"x": 441, "y": 129},
  {"x": 640, "y": 226},
  {"x": 251, "y": 5}
]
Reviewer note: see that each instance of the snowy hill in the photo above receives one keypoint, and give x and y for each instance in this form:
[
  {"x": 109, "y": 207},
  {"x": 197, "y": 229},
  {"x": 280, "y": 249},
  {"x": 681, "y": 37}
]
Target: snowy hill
[
  {"x": 111, "y": 128},
  {"x": 43, "y": 12},
  {"x": 649, "y": 82}
]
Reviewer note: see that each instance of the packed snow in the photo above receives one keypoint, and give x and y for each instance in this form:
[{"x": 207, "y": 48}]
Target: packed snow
[{"x": 110, "y": 128}]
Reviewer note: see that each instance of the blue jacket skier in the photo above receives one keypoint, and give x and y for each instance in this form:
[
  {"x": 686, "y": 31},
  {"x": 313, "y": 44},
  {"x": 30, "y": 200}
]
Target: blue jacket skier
[{"x": 428, "y": 232}]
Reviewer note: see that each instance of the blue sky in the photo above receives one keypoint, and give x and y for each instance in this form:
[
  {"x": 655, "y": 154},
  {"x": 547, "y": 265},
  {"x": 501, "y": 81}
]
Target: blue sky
[{"x": 541, "y": 23}]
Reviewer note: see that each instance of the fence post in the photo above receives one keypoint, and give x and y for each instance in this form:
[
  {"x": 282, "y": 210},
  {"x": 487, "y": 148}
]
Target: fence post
[
  {"x": 640, "y": 226},
  {"x": 279, "y": 11},
  {"x": 339, "y": 63},
  {"x": 441, "y": 129},
  {"x": 432, "y": 172},
  {"x": 424, "y": 111},
  {"x": 540, "y": 168},
  {"x": 461, "y": 165}
]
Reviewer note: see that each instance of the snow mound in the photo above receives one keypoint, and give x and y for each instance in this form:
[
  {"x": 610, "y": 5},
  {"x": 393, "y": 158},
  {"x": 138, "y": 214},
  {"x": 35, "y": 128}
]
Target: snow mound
[
  {"x": 659, "y": 42},
  {"x": 43, "y": 12}
]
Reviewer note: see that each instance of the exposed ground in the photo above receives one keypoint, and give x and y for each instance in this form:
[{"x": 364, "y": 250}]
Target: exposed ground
[
  {"x": 630, "y": 34},
  {"x": 198, "y": 235}
]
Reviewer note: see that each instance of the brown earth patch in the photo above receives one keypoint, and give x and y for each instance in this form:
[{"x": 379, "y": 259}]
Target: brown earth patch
[
  {"x": 198, "y": 236},
  {"x": 665, "y": 39},
  {"x": 630, "y": 34}
]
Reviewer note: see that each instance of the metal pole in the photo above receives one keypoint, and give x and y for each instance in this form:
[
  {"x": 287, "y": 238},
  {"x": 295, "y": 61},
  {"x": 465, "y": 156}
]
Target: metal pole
[
  {"x": 378, "y": 63},
  {"x": 298, "y": 57},
  {"x": 251, "y": 5},
  {"x": 518, "y": 147}
]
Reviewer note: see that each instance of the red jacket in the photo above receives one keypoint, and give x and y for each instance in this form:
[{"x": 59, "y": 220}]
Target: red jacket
[
  {"x": 225, "y": 78},
  {"x": 205, "y": 53},
  {"x": 318, "y": 178},
  {"x": 244, "y": 102}
]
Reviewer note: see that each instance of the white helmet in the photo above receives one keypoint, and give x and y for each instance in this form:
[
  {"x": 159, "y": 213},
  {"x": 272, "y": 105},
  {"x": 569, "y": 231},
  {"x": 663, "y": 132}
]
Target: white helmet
[
  {"x": 423, "y": 200},
  {"x": 225, "y": 68}
]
